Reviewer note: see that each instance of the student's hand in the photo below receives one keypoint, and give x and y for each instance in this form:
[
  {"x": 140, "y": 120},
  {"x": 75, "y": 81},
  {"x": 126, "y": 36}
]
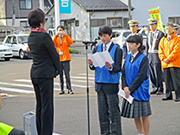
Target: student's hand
[
  {"x": 127, "y": 92},
  {"x": 108, "y": 65},
  {"x": 166, "y": 61},
  {"x": 90, "y": 62}
]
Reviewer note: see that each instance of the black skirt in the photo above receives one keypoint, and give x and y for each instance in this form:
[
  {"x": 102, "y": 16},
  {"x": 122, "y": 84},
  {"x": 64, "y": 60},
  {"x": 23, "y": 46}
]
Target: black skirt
[{"x": 137, "y": 109}]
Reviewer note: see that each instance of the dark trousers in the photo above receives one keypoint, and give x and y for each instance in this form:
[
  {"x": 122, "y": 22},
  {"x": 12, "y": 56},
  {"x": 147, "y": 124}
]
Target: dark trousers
[
  {"x": 44, "y": 107},
  {"x": 174, "y": 75},
  {"x": 156, "y": 76},
  {"x": 65, "y": 66},
  {"x": 109, "y": 113}
]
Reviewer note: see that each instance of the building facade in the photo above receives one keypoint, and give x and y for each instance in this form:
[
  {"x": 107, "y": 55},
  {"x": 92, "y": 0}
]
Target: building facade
[{"x": 88, "y": 15}]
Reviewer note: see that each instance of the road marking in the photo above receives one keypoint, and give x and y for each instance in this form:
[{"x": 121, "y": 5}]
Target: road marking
[
  {"x": 31, "y": 86},
  {"x": 15, "y": 84},
  {"x": 17, "y": 90}
]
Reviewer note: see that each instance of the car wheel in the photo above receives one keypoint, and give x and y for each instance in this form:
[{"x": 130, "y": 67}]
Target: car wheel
[
  {"x": 6, "y": 59},
  {"x": 21, "y": 54}
]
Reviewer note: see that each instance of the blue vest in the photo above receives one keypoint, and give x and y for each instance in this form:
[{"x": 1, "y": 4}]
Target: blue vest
[
  {"x": 131, "y": 71},
  {"x": 102, "y": 75}
]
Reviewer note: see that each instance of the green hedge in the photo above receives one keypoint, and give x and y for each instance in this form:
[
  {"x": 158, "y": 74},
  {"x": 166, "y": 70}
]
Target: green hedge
[{"x": 73, "y": 50}]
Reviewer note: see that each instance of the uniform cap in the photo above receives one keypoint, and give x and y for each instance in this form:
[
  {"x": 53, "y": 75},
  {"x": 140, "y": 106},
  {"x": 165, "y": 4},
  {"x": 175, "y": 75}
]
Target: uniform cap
[
  {"x": 176, "y": 26},
  {"x": 152, "y": 21},
  {"x": 133, "y": 23}
]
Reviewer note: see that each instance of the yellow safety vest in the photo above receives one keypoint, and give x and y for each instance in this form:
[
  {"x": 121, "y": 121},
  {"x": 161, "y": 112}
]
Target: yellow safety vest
[{"x": 5, "y": 129}]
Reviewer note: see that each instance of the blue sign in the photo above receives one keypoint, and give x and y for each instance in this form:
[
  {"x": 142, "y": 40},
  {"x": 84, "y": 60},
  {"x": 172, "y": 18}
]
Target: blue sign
[{"x": 65, "y": 6}]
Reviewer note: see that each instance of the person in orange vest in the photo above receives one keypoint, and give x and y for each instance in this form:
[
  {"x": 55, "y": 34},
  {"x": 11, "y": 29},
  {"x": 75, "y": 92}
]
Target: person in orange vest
[
  {"x": 169, "y": 54},
  {"x": 62, "y": 42}
]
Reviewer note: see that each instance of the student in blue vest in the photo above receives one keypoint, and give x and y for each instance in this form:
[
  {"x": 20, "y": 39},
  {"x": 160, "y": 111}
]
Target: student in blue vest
[
  {"x": 135, "y": 82},
  {"x": 107, "y": 84}
]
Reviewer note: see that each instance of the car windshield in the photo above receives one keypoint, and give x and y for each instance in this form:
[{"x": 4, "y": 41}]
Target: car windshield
[
  {"x": 125, "y": 34},
  {"x": 22, "y": 39}
]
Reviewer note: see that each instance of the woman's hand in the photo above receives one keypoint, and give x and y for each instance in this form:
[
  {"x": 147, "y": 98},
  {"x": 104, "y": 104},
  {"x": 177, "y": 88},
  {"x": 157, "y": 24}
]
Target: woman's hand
[{"x": 127, "y": 92}]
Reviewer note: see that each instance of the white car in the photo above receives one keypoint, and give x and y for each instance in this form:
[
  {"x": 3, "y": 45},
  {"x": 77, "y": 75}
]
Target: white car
[
  {"x": 5, "y": 52},
  {"x": 18, "y": 44},
  {"x": 119, "y": 37}
]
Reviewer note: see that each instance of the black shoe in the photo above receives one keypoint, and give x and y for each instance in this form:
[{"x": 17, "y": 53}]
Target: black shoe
[
  {"x": 62, "y": 92},
  {"x": 153, "y": 92},
  {"x": 70, "y": 92},
  {"x": 177, "y": 100},
  {"x": 159, "y": 93},
  {"x": 167, "y": 98}
]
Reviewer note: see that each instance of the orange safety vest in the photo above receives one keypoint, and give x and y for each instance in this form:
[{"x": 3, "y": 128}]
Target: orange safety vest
[
  {"x": 66, "y": 42},
  {"x": 170, "y": 50}
]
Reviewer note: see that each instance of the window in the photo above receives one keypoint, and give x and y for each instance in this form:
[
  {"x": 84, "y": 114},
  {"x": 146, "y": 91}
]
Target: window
[
  {"x": 97, "y": 22},
  {"x": 25, "y": 4},
  {"x": 114, "y": 22},
  {"x": 126, "y": 22},
  {"x": 174, "y": 20},
  {"x": 9, "y": 40},
  {"x": 24, "y": 24},
  {"x": 76, "y": 23}
]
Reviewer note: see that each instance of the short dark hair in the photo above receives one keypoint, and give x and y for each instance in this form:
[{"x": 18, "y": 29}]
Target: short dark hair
[
  {"x": 35, "y": 17},
  {"x": 60, "y": 26},
  {"x": 105, "y": 30}
]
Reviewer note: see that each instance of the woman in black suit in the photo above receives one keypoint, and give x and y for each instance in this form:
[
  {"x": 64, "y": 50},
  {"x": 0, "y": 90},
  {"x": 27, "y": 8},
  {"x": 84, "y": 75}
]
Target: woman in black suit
[{"x": 44, "y": 68}]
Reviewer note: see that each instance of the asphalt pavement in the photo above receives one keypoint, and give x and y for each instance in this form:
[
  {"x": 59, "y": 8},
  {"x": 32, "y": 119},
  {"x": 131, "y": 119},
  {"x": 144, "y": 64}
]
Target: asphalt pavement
[{"x": 70, "y": 111}]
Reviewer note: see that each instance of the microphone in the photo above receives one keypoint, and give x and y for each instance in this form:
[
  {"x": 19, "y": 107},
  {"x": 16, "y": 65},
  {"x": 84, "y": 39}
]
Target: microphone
[{"x": 89, "y": 42}]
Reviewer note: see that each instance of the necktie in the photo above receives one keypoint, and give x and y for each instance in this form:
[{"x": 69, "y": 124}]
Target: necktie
[
  {"x": 169, "y": 38},
  {"x": 105, "y": 47},
  {"x": 132, "y": 58}
]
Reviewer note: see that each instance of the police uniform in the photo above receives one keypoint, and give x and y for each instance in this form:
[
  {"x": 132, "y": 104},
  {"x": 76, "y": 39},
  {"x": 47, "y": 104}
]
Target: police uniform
[
  {"x": 125, "y": 46},
  {"x": 152, "y": 44},
  {"x": 176, "y": 26}
]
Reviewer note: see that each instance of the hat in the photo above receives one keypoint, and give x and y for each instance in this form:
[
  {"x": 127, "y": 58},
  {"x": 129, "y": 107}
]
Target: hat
[
  {"x": 152, "y": 21},
  {"x": 176, "y": 26},
  {"x": 133, "y": 23}
]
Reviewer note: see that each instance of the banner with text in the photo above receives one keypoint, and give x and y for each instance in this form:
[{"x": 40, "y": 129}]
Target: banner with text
[
  {"x": 65, "y": 6},
  {"x": 155, "y": 14}
]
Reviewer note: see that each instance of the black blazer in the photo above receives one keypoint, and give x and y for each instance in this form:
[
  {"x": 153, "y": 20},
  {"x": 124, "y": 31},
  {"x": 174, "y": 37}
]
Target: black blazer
[
  {"x": 107, "y": 87},
  {"x": 45, "y": 57}
]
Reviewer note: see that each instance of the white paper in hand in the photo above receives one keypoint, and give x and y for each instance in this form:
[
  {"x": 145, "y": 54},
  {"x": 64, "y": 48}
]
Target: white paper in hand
[
  {"x": 99, "y": 58},
  {"x": 122, "y": 94}
]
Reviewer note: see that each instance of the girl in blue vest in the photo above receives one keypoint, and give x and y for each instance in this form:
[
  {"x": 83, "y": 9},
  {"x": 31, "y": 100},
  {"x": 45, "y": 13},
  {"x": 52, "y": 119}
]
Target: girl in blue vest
[{"x": 135, "y": 82}]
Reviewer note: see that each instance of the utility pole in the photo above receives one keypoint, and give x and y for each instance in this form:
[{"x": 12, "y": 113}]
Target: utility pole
[
  {"x": 41, "y": 5},
  {"x": 129, "y": 9},
  {"x": 13, "y": 14},
  {"x": 57, "y": 14}
]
